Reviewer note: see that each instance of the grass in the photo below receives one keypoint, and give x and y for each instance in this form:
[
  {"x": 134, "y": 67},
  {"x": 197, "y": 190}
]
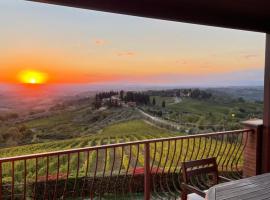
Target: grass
[
  {"x": 209, "y": 114},
  {"x": 207, "y": 106},
  {"x": 124, "y": 132},
  {"x": 62, "y": 125},
  {"x": 160, "y": 99},
  {"x": 89, "y": 128},
  {"x": 121, "y": 131},
  {"x": 164, "y": 155}
]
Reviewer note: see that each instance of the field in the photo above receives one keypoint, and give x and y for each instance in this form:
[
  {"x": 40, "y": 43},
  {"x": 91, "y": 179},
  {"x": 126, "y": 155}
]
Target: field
[
  {"x": 79, "y": 118},
  {"x": 163, "y": 154},
  {"x": 206, "y": 115},
  {"x": 117, "y": 133},
  {"x": 79, "y": 125},
  {"x": 62, "y": 124},
  {"x": 125, "y": 131},
  {"x": 69, "y": 171}
]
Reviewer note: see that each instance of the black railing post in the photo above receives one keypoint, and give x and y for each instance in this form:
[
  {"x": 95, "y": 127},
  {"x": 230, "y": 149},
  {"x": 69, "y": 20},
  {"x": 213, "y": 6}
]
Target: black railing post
[{"x": 147, "y": 173}]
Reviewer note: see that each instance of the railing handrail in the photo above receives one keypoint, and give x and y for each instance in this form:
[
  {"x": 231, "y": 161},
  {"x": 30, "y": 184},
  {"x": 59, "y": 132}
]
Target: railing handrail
[{"x": 95, "y": 148}]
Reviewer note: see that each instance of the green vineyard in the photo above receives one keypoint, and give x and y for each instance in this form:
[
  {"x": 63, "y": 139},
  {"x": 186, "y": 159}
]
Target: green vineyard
[
  {"x": 122, "y": 132},
  {"x": 107, "y": 159}
]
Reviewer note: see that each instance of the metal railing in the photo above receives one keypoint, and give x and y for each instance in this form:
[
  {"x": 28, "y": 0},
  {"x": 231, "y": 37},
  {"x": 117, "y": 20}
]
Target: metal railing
[{"x": 132, "y": 170}]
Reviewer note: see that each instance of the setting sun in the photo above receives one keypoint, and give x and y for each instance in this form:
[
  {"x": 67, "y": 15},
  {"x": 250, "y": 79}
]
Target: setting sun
[{"x": 33, "y": 77}]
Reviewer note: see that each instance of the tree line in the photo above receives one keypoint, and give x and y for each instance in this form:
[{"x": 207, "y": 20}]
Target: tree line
[
  {"x": 200, "y": 94},
  {"x": 140, "y": 98},
  {"x": 187, "y": 92}
]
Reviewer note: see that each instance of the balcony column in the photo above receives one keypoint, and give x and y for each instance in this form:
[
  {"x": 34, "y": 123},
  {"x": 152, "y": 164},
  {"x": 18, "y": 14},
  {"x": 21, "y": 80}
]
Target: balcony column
[
  {"x": 266, "y": 117},
  {"x": 252, "y": 152}
]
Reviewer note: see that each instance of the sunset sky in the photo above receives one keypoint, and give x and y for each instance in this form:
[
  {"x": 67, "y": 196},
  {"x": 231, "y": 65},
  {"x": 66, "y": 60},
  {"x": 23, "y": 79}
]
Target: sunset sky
[{"x": 82, "y": 46}]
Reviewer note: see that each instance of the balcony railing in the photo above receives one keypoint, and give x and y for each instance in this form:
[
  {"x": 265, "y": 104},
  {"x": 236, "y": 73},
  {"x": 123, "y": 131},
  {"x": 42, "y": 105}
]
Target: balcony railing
[{"x": 149, "y": 168}]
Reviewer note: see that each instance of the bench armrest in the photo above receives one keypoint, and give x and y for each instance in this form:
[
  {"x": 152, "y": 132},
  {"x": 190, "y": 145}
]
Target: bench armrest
[
  {"x": 222, "y": 178},
  {"x": 193, "y": 189}
]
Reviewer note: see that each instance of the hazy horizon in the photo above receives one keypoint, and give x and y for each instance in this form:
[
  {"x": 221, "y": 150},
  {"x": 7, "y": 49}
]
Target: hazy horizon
[{"x": 119, "y": 86}]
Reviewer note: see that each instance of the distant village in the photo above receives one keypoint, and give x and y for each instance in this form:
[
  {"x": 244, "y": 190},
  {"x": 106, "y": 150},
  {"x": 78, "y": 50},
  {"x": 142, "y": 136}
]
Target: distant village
[
  {"x": 134, "y": 99},
  {"x": 120, "y": 99}
]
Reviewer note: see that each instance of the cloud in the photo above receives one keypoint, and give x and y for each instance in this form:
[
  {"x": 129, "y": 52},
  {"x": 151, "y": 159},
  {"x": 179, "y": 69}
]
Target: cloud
[
  {"x": 183, "y": 62},
  {"x": 250, "y": 56},
  {"x": 244, "y": 77},
  {"x": 99, "y": 42},
  {"x": 126, "y": 53}
]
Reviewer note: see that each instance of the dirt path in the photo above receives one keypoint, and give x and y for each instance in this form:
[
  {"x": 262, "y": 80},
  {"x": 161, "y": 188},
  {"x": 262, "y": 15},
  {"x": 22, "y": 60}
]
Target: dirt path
[{"x": 160, "y": 122}]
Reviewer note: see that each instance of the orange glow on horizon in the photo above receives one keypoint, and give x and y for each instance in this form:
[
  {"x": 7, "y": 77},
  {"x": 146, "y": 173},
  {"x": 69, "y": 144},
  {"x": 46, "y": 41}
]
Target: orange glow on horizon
[{"x": 33, "y": 77}]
